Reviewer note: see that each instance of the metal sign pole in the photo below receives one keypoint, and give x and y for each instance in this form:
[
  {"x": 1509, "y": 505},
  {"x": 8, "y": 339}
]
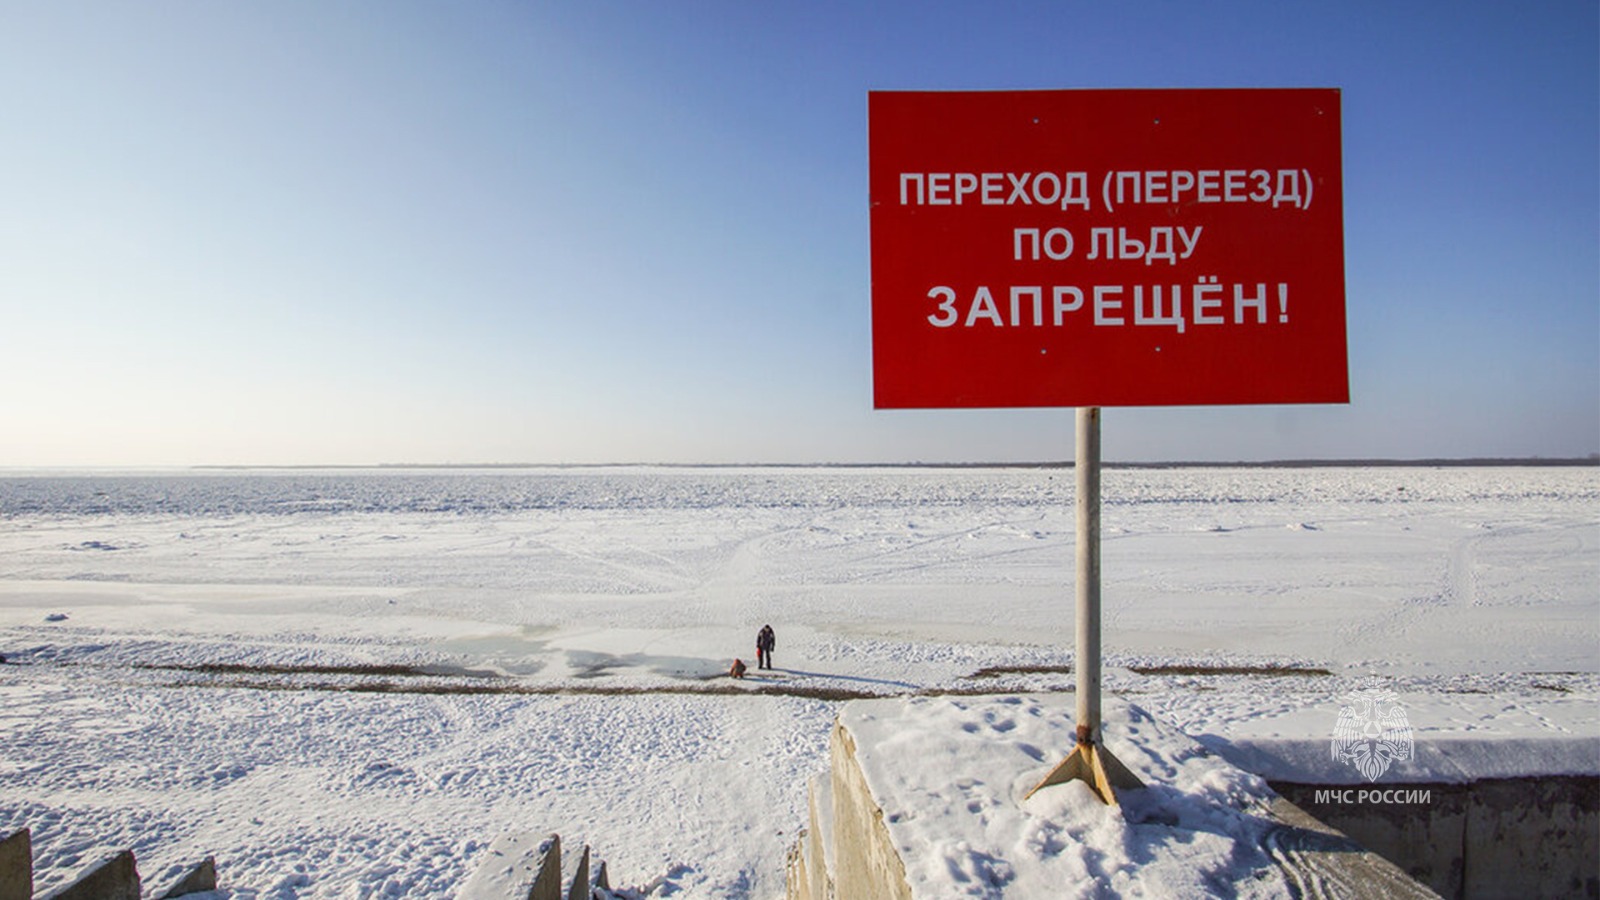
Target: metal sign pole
[
  {"x": 1089, "y": 761},
  {"x": 1087, "y": 661}
]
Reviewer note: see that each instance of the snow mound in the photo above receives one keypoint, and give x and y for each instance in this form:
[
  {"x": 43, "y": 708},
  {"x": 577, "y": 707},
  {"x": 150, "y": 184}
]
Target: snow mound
[{"x": 952, "y": 775}]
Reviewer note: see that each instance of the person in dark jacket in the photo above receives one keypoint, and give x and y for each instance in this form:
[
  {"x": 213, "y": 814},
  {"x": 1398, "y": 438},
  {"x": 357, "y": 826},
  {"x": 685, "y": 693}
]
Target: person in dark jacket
[{"x": 765, "y": 641}]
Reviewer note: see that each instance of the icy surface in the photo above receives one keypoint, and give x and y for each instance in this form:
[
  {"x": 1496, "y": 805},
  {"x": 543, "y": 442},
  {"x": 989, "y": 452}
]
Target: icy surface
[{"x": 347, "y": 684}]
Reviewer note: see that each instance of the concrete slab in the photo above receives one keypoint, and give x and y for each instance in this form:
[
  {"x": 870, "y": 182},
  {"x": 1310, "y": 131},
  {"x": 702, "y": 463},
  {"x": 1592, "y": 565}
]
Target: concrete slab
[
  {"x": 114, "y": 878},
  {"x": 931, "y": 799},
  {"x": 519, "y": 866},
  {"x": 16, "y": 866},
  {"x": 198, "y": 880}
]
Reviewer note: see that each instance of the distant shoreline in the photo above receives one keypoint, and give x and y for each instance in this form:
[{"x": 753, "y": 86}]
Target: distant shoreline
[{"x": 1466, "y": 462}]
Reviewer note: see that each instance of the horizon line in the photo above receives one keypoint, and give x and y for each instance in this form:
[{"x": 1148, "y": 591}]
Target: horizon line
[{"x": 1592, "y": 459}]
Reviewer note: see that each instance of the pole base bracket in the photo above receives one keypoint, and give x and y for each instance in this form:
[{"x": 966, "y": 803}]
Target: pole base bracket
[{"x": 1095, "y": 766}]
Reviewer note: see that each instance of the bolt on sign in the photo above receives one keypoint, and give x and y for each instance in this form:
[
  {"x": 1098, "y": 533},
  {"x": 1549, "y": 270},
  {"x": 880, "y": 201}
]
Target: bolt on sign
[{"x": 1106, "y": 248}]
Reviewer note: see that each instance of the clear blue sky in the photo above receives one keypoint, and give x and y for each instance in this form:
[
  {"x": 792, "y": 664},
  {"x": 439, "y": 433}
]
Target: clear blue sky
[{"x": 360, "y": 232}]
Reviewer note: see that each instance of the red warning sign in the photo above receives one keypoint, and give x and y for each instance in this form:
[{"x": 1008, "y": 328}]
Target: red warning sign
[{"x": 1107, "y": 248}]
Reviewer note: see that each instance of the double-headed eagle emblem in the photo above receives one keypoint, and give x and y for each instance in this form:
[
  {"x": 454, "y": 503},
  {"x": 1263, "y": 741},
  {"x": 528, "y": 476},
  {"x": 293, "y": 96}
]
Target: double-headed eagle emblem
[{"x": 1372, "y": 733}]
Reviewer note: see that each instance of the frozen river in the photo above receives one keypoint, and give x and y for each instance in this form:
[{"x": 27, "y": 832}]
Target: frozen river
[{"x": 542, "y": 648}]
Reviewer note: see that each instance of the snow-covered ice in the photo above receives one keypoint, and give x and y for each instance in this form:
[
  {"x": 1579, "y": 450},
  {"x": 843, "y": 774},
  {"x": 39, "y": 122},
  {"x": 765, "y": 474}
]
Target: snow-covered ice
[{"x": 347, "y": 684}]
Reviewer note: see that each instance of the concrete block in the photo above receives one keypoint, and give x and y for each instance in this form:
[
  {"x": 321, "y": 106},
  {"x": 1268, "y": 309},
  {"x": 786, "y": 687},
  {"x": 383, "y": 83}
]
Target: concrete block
[
  {"x": 1533, "y": 837},
  {"x": 796, "y": 885},
  {"x": 866, "y": 863},
  {"x": 578, "y": 879},
  {"x": 116, "y": 878},
  {"x": 521, "y": 866},
  {"x": 901, "y": 814},
  {"x": 1320, "y": 861},
  {"x": 1426, "y": 840},
  {"x": 198, "y": 880},
  {"x": 16, "y": 866},
  {"x": 804, "y": 871},
  {"x": 819, "y": 839},
  {"x": 1490, "y": 838}
]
